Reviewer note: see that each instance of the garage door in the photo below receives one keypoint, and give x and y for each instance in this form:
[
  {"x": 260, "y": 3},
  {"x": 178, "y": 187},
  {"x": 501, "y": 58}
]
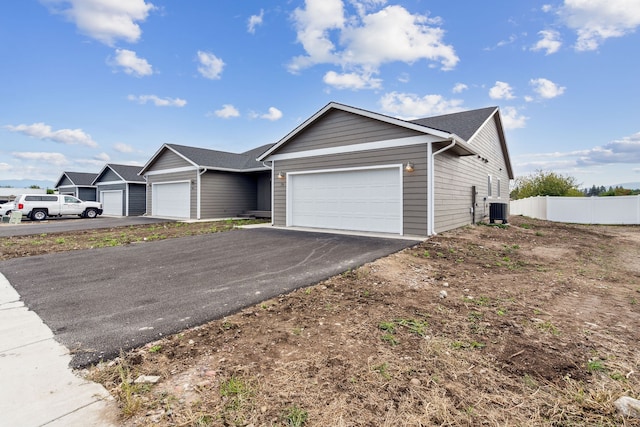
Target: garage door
[
  {"x": 111, "y": 202},
  {"x": 171, "y": 200},
  {"x": 359, "y": 200}
]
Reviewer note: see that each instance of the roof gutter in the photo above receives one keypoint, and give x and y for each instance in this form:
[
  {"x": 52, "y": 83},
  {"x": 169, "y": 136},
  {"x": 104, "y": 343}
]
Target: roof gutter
[{"x": 431, "y": 184}]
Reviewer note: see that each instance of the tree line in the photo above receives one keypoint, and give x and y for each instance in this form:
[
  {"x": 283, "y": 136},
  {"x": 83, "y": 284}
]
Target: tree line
[{"x": 544, "y": 183}]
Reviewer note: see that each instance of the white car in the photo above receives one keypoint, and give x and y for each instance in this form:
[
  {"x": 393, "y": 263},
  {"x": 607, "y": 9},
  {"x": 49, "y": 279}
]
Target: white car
[{"x": 5, "y": 209}]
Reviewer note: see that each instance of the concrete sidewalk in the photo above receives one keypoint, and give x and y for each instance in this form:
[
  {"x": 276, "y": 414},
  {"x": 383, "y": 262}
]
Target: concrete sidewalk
[{"x": 37, "y": 387}]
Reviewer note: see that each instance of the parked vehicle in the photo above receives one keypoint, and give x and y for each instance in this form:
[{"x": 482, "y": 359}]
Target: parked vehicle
[
  {"x": 6, "y": 208},
  {"x": 39, "y": 206}
]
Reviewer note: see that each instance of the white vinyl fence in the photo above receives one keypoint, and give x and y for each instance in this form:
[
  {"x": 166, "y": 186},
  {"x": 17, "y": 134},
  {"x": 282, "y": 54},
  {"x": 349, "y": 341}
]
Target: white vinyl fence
[{"x": 580, "y": 210}]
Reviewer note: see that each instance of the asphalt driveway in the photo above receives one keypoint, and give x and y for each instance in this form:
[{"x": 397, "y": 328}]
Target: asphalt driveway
[{"x": 99, "y": 301}]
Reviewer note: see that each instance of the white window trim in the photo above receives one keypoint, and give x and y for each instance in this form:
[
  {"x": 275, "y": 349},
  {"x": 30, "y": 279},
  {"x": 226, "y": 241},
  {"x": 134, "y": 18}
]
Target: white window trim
[{"x": 489, "y": 186}]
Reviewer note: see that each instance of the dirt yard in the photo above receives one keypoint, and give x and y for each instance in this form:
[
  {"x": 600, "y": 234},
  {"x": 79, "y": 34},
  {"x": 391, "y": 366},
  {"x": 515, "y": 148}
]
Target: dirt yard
[{"x": 531, "y": 324}]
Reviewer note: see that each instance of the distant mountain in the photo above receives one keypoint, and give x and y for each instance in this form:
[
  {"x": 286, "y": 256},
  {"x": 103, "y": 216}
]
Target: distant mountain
[{"x": 25, "y": 183}]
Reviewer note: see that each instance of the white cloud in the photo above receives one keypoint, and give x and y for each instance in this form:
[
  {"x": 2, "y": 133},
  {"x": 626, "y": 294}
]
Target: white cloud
[
  {"x": 210, "y": 65},
  {"x": 63, "y": 136},
  {"x": 56, "y": 159},
  {"x": 131, "y": 64},
  {"x": 625, "y": 150},
  {"x": 512, "y": 119},
  {"x": 501, "y": 90},
  {"x": 254, "y": 21},
  {"x": 393, "y": 34},
  {"x": 313, "y": 25},
  {"x": 410, "y": 106},
  {"x": 157, "y": 101},
  {"x": 102, "y": 157},
  {"x": 105, "y": 20},
  {"x": 597, "y": 20},
  {"x": 365, "y": 41},
  {"x": 546, "y": 88},
  {"x": 459, "y": 88},
  {"x": 549, "y": 42},
  {"x": 273, "y": 114},
  {"x": 227, "y": 111},
  {"x": 512, "y": 38},
  {"x": 121, "y": 147},
  {"x": 353, "y": 81}
]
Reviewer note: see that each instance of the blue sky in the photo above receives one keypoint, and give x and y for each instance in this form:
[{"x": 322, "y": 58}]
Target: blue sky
[{"x": 89, "y": 82}]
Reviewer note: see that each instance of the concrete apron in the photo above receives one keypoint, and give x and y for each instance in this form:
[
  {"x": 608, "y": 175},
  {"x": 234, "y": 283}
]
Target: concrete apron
[{"x": 37, "y": 386}]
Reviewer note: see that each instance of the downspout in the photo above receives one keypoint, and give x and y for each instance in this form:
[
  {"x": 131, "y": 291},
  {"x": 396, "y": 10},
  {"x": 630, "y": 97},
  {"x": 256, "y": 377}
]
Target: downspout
[
  {"x": 431, "y": 222},
  {"x": 198, "y": 195}
]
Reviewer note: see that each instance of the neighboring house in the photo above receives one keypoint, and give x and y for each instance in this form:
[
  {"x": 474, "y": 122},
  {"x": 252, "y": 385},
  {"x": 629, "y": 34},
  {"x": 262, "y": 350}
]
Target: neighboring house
[
  {"x": 78, "y": 184},
  {"x": 351, "y": 169},
  {"x": 121, "y": 190},
  {"x": 198, "y": 183}
]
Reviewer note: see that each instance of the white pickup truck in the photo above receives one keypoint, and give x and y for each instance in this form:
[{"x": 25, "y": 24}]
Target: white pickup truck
[{"x": 39, "y": 206}]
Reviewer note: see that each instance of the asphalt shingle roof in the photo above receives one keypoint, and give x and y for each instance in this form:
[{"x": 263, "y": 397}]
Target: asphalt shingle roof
[
  {"x": 222, "y": 159},
  {"x": 127, "y": 172},
  {"x": 81, "y": 178},
  {"x": 464, "y": 124}
]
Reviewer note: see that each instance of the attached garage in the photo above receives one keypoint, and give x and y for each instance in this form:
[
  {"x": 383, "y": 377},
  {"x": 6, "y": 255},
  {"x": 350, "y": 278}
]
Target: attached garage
[
  {"x": 367, "y": 199},
  {"x": 172, "y": 199},
  {"x": 345, "y": 168},
  {"x": 112, "y": 202},
  {"x": 121, "y": 190}
]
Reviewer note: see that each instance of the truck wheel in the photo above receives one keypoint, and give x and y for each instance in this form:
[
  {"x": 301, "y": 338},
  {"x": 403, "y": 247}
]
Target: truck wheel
[
  {"x": 38, "y": 215},
  {"x": 91, "y": 213}
]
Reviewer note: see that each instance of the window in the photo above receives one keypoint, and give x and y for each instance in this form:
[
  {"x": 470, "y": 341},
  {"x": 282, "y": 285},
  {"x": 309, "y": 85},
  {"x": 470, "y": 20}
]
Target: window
[
  {"x": 498, "y": 192},
  {"x": 489, "y": 186},
  {"x": 71, "y": 199}
]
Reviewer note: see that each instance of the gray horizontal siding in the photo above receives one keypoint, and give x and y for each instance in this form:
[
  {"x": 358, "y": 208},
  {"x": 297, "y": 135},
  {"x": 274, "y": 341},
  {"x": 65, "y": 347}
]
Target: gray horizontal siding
[
  {"x": 137, "y": 199},
  {"x": 168, "y": 160},
  {"x": 227, "y": 194},
  {"x": 414, "y": 184},
  {"x": 338, "y": 128},
  {"x": 65, "y": 182},
  {"x": 86, "y": 194},
  {"x": 455, "y": 176},
  {"x": 108, "y": 175}
]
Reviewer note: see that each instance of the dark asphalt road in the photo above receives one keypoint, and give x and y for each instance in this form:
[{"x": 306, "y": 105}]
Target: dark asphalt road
[
  {"x": 99, "y": 301},
  {"x": 72, "y": 223}
]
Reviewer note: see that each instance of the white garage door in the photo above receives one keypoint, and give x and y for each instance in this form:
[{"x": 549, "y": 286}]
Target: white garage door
[
  {"x": 359, "y": 200},
  {"x": 171, "y": 200},
  {"x": 111, "y": 202}
]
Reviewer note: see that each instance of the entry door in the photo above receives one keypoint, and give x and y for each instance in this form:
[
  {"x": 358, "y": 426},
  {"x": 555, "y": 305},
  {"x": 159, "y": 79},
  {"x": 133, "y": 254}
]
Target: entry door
[{"x": 359, "y": 200}]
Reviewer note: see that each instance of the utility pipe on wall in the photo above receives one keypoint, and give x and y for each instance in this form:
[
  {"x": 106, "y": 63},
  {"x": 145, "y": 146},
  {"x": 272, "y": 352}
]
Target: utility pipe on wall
[{"x": 431, "y": 185}]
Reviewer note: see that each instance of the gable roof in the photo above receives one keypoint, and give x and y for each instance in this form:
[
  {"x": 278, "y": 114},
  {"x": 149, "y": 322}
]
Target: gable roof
[
  {"x": 215, "y": 159},
  {"x": 460, "y": 127},
  {"x": 465, "y": 124},
  {"x": 127, "y": 173},
  {"x": 78, "y": 179},
  {"x": 462, "y": 147}
]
